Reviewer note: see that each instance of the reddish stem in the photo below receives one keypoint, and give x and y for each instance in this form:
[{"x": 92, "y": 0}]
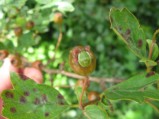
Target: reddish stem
[{"x": 85, "y": 86}]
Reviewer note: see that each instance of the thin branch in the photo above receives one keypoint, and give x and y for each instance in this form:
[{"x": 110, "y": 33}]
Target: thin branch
[
  {"x": 57, "y": 45},
  {"x": 76, "y": 76},
  {"x": 59, "y": 39}
]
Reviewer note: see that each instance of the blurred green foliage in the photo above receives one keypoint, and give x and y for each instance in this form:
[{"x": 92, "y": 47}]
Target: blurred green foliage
[{"x": 88, "y": 24}]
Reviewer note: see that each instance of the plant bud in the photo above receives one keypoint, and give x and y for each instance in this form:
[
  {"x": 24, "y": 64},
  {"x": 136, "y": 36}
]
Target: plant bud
[{"x": 58, "y": 18}]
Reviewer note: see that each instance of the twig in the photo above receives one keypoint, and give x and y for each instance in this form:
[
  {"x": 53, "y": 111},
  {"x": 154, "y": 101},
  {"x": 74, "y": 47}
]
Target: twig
[
  {"x": 59, "y": 39},
  {"x": 81, "y": 97},
  {"x": 51, "y": 81},
  {"x": 76, "y": 76},
  {"x": 57, "y": 45},
  {"x": 85, "y": 85}
]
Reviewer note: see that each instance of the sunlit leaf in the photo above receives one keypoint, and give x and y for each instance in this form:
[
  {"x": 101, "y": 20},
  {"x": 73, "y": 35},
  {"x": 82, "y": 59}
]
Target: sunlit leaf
[
  {"x": 64, "y": 6},
  {"x": 45, "y": 1},
  {"x": 18, "y": 3}
]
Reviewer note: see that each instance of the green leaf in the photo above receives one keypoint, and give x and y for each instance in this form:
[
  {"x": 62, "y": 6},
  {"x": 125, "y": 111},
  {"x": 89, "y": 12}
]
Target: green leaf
[
  {"x": 154, "y": 94},
  {"x": 41, "y": 21},
  {"x": 105, "y": 104},
  {"x": 78, "y": 91},
  {"x": 26, "y": 40},
  {"x": 45, "y": 1},
  {"x": 138, "y": 81},
  {"x": 18, "y": 3},
  {"x": 155, "y": 52},
  {"x": 29, "y": 100},
  {"x": 125, "y": 95},
  {"x": 20, "y": 21},
  {"x": 133, "y": 88},
  {"x": 2, "y": 46},
  {"x": 95, "y": 112},
  {"x": 148, "y": 62},
  {"x": 64, "y": 6},
  {"x": 127, "y": 27},
  {"x": 9, "y": 45},
  {"x": 51, "y": 4}
]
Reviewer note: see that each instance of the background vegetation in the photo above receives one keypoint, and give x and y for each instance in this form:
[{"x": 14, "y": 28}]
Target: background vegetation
[{"x": 88, "y": 24}]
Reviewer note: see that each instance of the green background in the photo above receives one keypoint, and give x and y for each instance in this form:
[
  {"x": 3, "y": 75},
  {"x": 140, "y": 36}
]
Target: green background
[{"x": 88, "y": 24}]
